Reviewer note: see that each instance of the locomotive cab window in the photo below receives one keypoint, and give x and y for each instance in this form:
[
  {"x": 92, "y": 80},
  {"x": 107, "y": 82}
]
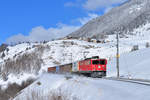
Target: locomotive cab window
[
  {"x": 95, "y": 62},
  {"x": 102, "y": 62}
]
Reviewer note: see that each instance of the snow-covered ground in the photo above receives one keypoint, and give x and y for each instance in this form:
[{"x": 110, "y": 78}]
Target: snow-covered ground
[
  {"x": 132, "y": 65},
  {"x": 87, "y": 88},
  {"x": 65, "y": 51}
]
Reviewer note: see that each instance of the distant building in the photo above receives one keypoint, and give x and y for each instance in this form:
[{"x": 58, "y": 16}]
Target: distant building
[{"x": 94, "y": 40}]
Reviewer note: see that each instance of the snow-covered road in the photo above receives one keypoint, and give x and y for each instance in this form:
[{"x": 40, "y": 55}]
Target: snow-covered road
[{"x": 90, "y": 89}]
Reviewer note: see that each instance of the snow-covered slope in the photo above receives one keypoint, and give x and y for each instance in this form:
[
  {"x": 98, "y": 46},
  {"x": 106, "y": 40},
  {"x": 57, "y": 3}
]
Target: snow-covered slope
[
  {"x": 123, "y": 19},
  {"x": 31, "y": 59},
  {"x": 132, "y": 65},
  {"x": 81, "y": 88}
]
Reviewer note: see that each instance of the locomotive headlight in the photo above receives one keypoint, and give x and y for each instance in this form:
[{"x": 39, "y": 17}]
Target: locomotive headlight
[{"x": 99, "y": 66}]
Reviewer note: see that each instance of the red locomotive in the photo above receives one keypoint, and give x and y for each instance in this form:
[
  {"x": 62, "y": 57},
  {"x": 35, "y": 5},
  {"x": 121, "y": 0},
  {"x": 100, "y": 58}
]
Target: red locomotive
[{"x": 93, "y": 67}]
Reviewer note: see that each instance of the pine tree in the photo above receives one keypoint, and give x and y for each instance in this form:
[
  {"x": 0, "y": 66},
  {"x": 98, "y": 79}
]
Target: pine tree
[{"x": 3, "y": 55}]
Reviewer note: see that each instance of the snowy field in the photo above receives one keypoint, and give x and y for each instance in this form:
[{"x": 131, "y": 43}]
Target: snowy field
[
  {"x": 87, "y": 88},
  {"x": 132, "y": 65}
]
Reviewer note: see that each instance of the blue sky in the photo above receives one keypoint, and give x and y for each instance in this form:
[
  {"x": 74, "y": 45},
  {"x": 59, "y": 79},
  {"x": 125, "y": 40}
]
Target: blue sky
[{"x": 31, "y": 20}]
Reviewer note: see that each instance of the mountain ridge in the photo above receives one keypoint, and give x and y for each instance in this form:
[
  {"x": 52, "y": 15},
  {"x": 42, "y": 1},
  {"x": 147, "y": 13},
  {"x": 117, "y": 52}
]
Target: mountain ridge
[{"x": 123, "y": 19}]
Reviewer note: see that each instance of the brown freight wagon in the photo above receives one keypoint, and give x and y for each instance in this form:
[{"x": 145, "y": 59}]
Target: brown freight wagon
[
  {"x": 61, "y": 68},
  {"x": 52, "y": 69},
  {"x": 65, "y": 68}
]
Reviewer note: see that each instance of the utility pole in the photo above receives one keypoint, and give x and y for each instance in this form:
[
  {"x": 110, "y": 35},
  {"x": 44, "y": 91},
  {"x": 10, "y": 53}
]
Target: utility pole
[
  {"x": 71, "y": 58},
  {"x": 117, "y": 55}
]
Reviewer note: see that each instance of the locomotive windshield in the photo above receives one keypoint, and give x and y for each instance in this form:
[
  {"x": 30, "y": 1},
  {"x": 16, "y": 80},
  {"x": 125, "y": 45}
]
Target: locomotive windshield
[
  {"x": 102, "y": 62},
  {"x": 96, "y": 62}
]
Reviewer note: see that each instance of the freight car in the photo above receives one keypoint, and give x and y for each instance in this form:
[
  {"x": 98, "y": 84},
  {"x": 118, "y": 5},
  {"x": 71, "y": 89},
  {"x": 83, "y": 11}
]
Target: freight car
[
  {"x": 93, "y": 67},
  {"x": 67, "y": 68}
]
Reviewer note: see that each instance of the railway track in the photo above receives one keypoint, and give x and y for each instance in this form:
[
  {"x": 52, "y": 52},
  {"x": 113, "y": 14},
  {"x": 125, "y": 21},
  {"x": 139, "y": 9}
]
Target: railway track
[
  {"x": 136, "y": 81},
  {"x": 129, "y": 80}
]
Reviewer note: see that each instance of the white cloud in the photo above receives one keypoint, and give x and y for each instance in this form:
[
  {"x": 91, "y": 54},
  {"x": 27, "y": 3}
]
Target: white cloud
[
  {"x": 39, "y": 33},
  {"x": 17, "y": 38},
  {"x": 93, "y": 5}
]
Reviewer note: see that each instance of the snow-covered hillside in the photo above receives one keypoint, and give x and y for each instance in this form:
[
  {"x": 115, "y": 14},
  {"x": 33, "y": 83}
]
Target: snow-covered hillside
[
  {"x": 81, "y": 88},
  {"x": 22, "y": 60},
  {"x": 52, "y": 53},
  {"x": 30, "y": 60},
  {"x": 124, "y": 18},
  {"x": 132, "y": 65}
]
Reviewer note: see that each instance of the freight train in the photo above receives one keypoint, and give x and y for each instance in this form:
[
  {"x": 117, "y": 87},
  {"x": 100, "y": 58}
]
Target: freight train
[{"x": 93, "y": 67}]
